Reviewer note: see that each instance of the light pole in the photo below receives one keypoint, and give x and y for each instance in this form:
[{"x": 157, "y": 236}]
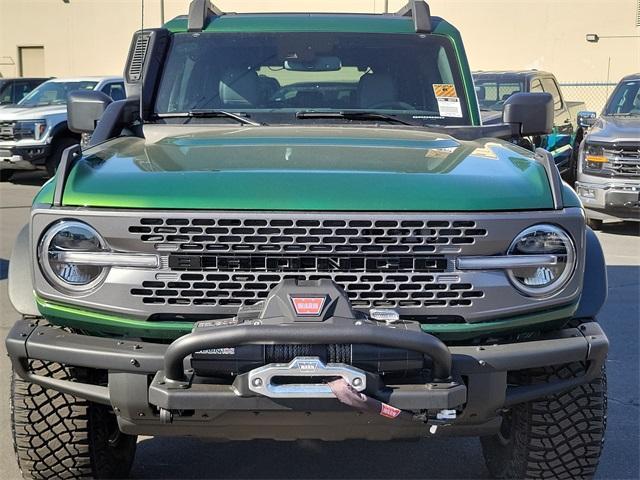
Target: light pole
[{"x": 161, "y": 12}]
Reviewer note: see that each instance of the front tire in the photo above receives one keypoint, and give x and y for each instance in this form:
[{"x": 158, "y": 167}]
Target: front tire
[
  {"x": 56, "y": 435},
  {"x": 559, "y": 437}
]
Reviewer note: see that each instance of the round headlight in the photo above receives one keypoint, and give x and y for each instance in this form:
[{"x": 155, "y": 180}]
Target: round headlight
[
  {"x": 71, "y": 236},
  {"x": 543, "y": 240}
]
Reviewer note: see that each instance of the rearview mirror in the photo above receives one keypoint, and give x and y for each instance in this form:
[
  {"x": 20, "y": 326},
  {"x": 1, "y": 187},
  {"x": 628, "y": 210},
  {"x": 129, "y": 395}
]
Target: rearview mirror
[
  {"x": 84, "y": 109},
  {"x": 586, "y": 119},
  {"x": 318, "y": 64},
  {"x": 533, "y": 112}
]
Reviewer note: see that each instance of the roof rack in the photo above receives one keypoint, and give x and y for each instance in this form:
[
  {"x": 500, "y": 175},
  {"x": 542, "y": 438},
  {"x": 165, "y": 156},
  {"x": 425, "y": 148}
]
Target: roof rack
[
  {"x": 200, "y": 12},
  {"x": 419, "y": 11}
]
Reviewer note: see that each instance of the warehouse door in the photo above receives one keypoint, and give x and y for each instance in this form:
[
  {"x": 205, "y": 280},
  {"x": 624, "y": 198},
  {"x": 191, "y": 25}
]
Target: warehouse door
[{"x": 31, "y": 61}]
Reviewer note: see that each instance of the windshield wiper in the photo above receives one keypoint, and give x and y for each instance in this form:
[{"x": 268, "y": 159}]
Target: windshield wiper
[
  {"x": 352, "y": 115},
  {"x": 209, "y": 113},
  {"x": 623, "y": 114}
]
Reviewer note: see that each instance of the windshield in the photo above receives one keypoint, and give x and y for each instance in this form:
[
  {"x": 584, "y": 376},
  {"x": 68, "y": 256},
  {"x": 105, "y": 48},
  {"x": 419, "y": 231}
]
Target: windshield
[
  {"x": 271, "y": 76},
  {"x": 492, "y": 93},
  {"x": 53, "y": 93},
  {"x": 625, "y": 100}
]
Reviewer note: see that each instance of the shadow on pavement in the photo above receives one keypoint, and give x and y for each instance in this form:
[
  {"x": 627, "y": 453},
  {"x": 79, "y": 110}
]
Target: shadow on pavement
[
  {"x": 191, "y": 458},
  {"x": 622, "y": 228},
  {"x": 33, "y": 178}
]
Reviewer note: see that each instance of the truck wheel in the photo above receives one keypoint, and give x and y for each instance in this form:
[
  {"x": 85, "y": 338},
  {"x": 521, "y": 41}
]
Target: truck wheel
[
  {"x": 59, "y": 147},
  {"x": 560, "y": 436},
  {"x": 56, "y": 435}
]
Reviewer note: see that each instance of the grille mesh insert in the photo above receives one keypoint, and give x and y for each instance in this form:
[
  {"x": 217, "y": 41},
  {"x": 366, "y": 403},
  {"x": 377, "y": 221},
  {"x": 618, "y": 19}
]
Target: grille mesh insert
[
  {"x": 365, "y": 290},
  {"x": 305, "y": 236}
]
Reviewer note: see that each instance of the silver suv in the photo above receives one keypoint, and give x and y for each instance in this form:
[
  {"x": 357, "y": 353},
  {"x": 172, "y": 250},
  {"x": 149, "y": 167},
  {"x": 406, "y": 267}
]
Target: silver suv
[{"x": 608, "y": 180}]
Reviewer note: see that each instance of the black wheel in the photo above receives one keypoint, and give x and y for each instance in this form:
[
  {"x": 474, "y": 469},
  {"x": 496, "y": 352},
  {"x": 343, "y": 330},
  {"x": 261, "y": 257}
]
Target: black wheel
[
  {"x": 56, "y": 435},
  {"x": 594, "y": 223},
  {"x": 59, "y": 146},
  {"x": 557, "y": 437},
  {"x": 5, "y": 175}
]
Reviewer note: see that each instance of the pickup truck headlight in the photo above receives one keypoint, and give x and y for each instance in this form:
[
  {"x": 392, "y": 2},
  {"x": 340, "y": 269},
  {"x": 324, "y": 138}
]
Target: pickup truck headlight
[
  {"x": 594, "y": 157},
  {"x": 30, "y": 129},
  {"x": 65, "y": 237},
  {"x": 543, "y": 240}
]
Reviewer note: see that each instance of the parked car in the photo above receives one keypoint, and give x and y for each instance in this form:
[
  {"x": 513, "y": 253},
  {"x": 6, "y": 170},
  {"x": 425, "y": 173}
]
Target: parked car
[
  {"x": 35, "y": 133},
  {"x": 12, "y": 90},
  {"x": 495, "y": 87},
  {"x": 608, "y": 181},
  {"x": 239, "y": 256}
]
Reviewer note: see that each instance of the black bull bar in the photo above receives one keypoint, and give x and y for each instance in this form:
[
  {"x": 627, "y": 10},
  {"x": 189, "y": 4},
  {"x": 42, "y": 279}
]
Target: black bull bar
[{"x": 357, "y": 332}]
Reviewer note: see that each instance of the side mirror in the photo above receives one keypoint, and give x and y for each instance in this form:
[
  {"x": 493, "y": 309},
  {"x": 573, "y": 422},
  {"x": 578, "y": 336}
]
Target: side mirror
[
  {"x": 84, "y": 109},
  {"x": 586, "y": 119},
  {"x": 532, "y": 112}
]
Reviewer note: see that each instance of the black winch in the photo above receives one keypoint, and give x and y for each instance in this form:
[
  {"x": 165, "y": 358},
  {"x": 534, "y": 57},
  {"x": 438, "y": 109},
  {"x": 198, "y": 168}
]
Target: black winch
[{"x": 297, "y": 302}]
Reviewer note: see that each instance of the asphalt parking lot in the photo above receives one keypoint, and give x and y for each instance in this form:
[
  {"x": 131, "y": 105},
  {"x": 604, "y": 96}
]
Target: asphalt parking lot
[{"x": 429, "y": 458}]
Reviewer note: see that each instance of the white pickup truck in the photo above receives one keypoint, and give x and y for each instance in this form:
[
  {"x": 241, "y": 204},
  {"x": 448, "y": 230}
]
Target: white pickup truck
[{"x": 34, "y": 132}]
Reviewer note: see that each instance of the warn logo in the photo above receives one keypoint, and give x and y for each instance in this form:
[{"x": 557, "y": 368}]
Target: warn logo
[{"x": 308, "y": 306}]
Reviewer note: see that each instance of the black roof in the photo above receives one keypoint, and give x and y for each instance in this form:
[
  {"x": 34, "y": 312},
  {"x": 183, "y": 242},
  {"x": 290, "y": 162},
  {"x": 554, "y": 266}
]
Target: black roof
[
  {"x": 512, "y": 73},
  {"x": 633, "y": 76}
]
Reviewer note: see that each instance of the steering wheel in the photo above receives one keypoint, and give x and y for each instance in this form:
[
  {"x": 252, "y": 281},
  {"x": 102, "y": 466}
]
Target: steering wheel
[{"x": 392, "y": 105}]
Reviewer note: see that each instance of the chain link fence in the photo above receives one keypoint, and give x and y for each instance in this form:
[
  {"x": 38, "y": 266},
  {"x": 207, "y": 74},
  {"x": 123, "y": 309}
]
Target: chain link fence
[{"x": 593, "y": 94}]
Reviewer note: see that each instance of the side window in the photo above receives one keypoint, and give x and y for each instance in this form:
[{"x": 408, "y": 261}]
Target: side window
[
  {"x": 20, "y": 90},
  {"x": 536, "y": 86},
  {"x": 6, "y": 93},
  {"x": 114, "y": 90},
  {"x": 550, "y": 86}
]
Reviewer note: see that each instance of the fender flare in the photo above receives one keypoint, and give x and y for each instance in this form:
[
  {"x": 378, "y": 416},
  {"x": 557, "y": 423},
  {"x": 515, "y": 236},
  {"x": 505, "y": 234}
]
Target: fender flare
[
  {"x": 594, "y": 285},
  {"x": 20, "y": 281}
]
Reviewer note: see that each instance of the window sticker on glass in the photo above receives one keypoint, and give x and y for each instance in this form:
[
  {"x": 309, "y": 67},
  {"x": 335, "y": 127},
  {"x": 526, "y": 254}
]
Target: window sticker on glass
[{"x": 448, "y": 101}]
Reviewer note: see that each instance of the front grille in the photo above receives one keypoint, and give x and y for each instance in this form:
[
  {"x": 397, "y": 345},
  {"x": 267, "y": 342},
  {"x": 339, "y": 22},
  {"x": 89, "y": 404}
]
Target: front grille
[
  {"x": 623, "y": 160},
  {"x": 306, "y": 235},
  {"x": 365, "y": 290},
  {"x": 380, "y": 262},
  {"x": 7, "y": 131}
]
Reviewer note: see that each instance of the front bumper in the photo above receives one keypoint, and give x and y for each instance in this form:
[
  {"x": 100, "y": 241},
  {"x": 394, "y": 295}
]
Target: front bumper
[
  {"x": 153, "y": 392},
  {"x": 23, "y": 157},
  {"x": 610, "y": 200}
]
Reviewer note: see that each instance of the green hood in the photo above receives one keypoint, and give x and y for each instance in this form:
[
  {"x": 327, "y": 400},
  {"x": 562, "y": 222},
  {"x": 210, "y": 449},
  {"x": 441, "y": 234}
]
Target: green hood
[{"x": 308, "y": 168}]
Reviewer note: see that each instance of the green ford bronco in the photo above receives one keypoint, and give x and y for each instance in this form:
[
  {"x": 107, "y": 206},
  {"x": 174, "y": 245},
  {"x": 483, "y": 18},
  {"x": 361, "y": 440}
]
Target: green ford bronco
[{"x": 296, "y": 226}]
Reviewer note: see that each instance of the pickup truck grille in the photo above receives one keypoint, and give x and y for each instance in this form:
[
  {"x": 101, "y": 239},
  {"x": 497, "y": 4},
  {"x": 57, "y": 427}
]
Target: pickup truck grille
[
  {"x": 624, "y": 160},
  {"x": 380, "y": 262},
  {"x": 7, "y": 130}
]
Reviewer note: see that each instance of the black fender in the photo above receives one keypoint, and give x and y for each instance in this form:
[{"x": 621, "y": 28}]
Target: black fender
[
  {"x": 20, "y": 280},
  {"x": 595, "y": 285}
]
